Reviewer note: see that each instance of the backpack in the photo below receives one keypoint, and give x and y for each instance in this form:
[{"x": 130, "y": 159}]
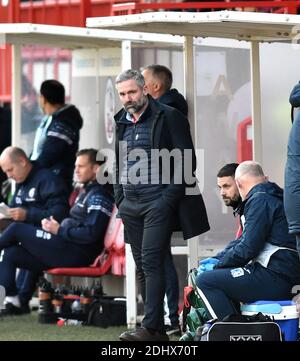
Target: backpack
[{"x": 194, "y": 313}]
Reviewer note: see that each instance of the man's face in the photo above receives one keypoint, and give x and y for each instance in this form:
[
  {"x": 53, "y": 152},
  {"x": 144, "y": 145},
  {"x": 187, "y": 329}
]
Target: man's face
[
  {"x": 17, "y": 171},
  {"x": 229, "y": 191},
  {"x": 132, "y": 97},
  {"x": 85, "y": 171},
  {"x": 150, "y": 82}
]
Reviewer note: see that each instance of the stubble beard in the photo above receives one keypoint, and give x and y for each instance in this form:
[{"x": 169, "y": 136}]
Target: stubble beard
[{"x": 135, "y": 107}]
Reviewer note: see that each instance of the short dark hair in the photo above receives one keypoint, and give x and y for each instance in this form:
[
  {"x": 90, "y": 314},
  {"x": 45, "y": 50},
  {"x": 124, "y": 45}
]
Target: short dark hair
[
  {"x": 94, "y": 155},
  {"x": 228, "y": 170},
  {"x": 53, "y": 91},
  {"x": 163, "y": 73}
]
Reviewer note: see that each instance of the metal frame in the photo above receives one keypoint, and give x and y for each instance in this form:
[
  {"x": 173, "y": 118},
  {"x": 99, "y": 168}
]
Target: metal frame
[
  {"x": 237, "y": 25},
  {"x": 131, "y": 306}
]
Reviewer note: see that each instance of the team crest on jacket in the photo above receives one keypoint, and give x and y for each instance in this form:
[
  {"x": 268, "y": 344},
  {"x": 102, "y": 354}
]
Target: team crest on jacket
[{"x": 31, "y": 192}]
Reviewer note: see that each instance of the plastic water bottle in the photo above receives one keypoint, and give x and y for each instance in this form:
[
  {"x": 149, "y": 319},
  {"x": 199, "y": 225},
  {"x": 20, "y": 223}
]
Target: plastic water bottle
[
  {"x": 68, "y": 322},
  {"x": 76, "y": 306}
]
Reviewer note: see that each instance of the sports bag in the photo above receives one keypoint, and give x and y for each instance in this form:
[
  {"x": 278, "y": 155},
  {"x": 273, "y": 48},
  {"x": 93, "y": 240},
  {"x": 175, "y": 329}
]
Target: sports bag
[
  {"x": 107, "y": 311},
  {"x": 240, "y": 328}
]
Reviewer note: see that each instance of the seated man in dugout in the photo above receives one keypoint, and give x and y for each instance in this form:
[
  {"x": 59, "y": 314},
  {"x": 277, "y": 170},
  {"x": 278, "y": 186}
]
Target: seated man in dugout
[
  {"x": 39, "y": 194},
  {"x": 262, "y": 264},
  {"x": 74, "y": 243}
]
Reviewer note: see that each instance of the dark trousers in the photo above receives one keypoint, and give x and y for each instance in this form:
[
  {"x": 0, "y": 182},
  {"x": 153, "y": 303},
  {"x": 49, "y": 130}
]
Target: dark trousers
[
  {"x": 30, "y": 248},
  {"x": 225, "y": 287},
  {"x": 26, "y": 284},
  {"x": 172, "y": 288},
  {"x": 148, "y": 227},
  {"x": 26, "y": 280}
]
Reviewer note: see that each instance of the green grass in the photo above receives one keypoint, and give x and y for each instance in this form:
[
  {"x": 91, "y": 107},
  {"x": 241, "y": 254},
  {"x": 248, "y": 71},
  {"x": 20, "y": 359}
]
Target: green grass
[{"x": 27, "y": 328}]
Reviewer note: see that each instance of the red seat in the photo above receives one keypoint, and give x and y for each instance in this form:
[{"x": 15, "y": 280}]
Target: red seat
[
  {"x": 118, "y": 252},
  {"x": 114, "y": 252},
  {"x": 99, "y": 267}
]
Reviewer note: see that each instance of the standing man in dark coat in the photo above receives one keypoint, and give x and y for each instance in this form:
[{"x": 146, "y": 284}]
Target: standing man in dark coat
[
  {"x": 150, "y": 191},
  {"x": 158, "y": 81},
  {"x": 57, "y": 137}
]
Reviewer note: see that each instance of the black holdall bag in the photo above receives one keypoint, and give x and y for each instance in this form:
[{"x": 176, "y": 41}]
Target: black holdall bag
[
  {"x": 241, "y": 328},
  {"x": 107, "y": 311}
]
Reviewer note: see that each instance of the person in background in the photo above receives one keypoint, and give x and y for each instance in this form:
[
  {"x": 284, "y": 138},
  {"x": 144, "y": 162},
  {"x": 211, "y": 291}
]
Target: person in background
[
  {"x": 31, "y": 114},
  {"x": 57, "y": 137},
  {"x": 292, "y": 170},
  {"x": 74, "y": 242},
  {"x": 5, "y": 139},
  {"x": 262, "y": 264},
  {"x": 158, "y": 83}
]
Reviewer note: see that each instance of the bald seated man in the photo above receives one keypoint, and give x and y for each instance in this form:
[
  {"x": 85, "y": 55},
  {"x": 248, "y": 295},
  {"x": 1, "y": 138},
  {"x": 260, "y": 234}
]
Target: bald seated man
[
  {"x": 39, "y": 194},
  {"x": 262, "y": 264}
]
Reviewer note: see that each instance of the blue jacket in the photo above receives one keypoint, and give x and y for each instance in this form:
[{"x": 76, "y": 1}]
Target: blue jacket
[
  {"x": 292, "y": 169},
  {"x": 61, "y": 145},
  {"x": 88, "y": 218},
  {"x": 42, "y": 194},
  {"x": 264, "y": 222}
]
